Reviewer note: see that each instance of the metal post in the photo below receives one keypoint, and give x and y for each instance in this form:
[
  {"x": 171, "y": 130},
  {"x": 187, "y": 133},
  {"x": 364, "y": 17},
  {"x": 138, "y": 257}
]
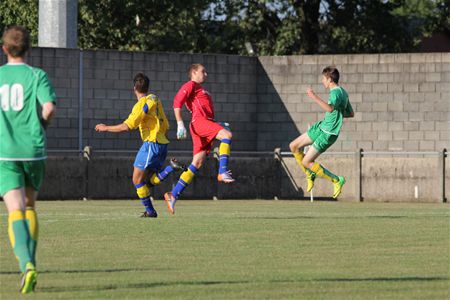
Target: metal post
[
  {"x": 441, "y": 175},
  {"x": 358, "y": 174},
  {"x": 58, "y": 23},
  {"x": 80, "y": 104}
]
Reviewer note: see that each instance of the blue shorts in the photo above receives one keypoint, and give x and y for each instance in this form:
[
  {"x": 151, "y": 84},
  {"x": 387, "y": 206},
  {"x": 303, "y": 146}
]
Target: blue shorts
[{"x": 151, "y": 156}]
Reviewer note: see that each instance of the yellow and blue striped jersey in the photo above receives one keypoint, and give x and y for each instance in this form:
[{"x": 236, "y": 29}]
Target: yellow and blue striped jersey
[{"x": 148, "y": 115}]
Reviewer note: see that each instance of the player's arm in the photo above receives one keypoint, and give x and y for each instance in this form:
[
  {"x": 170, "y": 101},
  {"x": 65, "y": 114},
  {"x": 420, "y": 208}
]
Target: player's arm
[
  {"x": 348, "y": 112},
  {"x": 132, "y": 122},
  {"x": 113, "y": 128},
  {"x": 178, "y": 102},
  {"x": 325, "y": 106},
  {"x": 48, "y": 112},
  {"x": 46, "y": 98}
]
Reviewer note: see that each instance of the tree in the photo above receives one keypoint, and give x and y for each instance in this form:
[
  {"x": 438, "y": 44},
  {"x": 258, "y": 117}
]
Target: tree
[
  {"x": 273, "y": 27},
  {"x": 20, "y": 12},
  {"x": 365, "y": 26},
  {"x": 277, "y": 27},
  {"x": 156, "y": 25}
]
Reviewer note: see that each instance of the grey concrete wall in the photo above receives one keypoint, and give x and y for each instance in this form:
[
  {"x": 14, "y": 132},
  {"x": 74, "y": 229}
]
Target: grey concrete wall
[
  {"x": 390, "y": 179},
  {"x": 402, "y": 101}
]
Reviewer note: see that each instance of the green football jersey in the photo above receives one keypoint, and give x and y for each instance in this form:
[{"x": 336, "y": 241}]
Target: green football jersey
[
  {"x": 332, "y": 122},
  {"x": 23, "y": 90}
]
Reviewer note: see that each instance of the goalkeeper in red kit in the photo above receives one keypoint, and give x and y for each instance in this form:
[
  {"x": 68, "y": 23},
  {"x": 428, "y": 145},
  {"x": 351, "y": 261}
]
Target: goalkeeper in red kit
[{"x": 204, "y": 130}]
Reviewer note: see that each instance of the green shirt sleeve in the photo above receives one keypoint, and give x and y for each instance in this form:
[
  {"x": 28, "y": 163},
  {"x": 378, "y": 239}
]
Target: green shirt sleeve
[
  {"x": 348, "y": 108},
  {"x": 45, "y": 91},
  {"x": 333, "y": 98}
]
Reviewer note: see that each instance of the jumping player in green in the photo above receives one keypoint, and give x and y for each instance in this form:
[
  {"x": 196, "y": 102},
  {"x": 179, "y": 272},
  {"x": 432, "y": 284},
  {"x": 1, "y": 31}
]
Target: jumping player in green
[
  {"x": 323, "y": 133},
  {"x": 27, "y": 105}
]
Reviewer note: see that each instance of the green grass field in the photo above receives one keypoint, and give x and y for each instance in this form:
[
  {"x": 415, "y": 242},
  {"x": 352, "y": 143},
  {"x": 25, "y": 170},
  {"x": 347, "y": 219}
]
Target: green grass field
[{"x": 237, "y": 250}]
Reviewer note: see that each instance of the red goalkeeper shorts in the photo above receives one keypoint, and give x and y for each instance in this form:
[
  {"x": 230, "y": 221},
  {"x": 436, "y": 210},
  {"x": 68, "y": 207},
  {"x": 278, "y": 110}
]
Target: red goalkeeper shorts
[{"x": 203, "y": 133}]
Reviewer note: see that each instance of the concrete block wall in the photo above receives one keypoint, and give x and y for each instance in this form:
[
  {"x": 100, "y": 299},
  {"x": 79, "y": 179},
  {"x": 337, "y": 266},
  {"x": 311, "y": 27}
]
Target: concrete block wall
[
  {"x": 109, "y": 96},
  {"x": 386, "y": 179},
  {"x": 401, "y": 101}
]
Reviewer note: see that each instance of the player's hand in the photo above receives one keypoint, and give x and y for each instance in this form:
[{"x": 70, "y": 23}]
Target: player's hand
[
  {"x": 181, "y": 130},
  {"x": 100, "y": 127},
  {"x": 310, "y": 92}
]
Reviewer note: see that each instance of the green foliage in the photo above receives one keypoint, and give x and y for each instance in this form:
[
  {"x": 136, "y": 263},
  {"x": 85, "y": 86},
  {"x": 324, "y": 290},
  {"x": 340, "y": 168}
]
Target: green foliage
[
  {"x": 20, "y": 12},
  {"x": 365, "y": 26},
  {"x": 274, "y": 27},
  {"x": 158, "y": 25}
]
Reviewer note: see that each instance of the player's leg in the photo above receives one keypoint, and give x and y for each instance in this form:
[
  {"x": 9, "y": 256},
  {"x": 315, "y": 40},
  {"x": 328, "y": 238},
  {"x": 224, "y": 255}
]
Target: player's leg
[
  {"x": 160, "y": 175},
  {"x": 224, "y": 136},
  {"x": 32, "y": 221},
  {"x": 297, "y": 147},
  {"x": 185, "y": 179},
  {"x": 140, "y": 175},
  {"x": 143, "y": 192},
  {"x": 319, "y": 146},
  {"x": 12, "y": 189},
  {"x": 19, "y": 237},
  {"x": 34, "y": 175}
]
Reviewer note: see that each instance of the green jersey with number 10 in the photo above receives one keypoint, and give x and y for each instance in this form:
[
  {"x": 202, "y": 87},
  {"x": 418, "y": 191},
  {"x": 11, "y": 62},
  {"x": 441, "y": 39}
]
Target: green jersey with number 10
[{"x": 23, "y": 91}]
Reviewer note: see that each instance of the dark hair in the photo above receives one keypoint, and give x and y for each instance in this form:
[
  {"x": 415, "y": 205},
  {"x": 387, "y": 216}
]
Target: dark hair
[
  {"x": 331, "y": 72},
  {"x": 16, "y": 39},
  {"x": 141, "y": 82},
  {"x": 193, "y": 68}
]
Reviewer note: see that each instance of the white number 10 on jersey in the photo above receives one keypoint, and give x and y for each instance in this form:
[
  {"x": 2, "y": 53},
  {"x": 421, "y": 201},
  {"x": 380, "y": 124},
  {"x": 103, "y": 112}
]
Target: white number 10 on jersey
[{"x": 11, "y": 98}]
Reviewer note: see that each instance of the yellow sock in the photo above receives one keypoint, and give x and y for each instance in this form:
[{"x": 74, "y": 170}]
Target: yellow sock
[
  {"x": 154, "y": 180},
  {"x": 187, "y": 176},
  {"x": 33, "y": 228},
  {"x": 299, "y": 158},
  {"x": 142, "y": 191},
  {"x": 185, "y": 179},
  {"x": 324, "y": 173}
]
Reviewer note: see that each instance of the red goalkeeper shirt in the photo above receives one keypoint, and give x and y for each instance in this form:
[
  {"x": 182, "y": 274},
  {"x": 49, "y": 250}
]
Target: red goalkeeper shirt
[{"x": 197, "y": 100}]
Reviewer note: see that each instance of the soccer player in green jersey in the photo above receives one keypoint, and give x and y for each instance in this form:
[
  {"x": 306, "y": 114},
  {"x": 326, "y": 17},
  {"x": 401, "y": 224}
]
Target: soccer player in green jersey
[
  {"x": 323, "y": 133},
  {"x": 27, "y": 105}
]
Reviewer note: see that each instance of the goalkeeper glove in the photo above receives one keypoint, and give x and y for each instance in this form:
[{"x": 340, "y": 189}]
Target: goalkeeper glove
[{"x": 181, "y": 130}]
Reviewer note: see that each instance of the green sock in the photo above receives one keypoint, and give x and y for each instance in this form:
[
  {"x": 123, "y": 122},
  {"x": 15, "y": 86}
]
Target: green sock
[
  {"x": 33, "y": 229},
  {"x": 324, "y": 173},
  {"x": 19, "y": 237}
]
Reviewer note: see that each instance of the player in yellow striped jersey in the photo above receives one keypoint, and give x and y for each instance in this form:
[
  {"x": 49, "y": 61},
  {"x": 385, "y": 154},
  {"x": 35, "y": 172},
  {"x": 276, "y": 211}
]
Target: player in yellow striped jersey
[{"x": 147, "y": 115}]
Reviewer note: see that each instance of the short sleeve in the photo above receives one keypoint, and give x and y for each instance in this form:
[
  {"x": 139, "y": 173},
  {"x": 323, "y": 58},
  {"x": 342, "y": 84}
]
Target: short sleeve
[
  {"x": 136, "y": 115},
  {"x": 332, "y": 99},
  {"x": 45, "y": 91},
  {"x": 348, "y": 108},
  {"x": 183, "y": 94}
]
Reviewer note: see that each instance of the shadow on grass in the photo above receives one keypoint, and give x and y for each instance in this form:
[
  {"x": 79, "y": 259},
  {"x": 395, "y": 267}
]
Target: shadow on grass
[
  {"x": 218, "y": 282},
  {"x": 85, "y": 271},
  {"x": 327, "y": 217},
  {"x": 413, "y": 278}
]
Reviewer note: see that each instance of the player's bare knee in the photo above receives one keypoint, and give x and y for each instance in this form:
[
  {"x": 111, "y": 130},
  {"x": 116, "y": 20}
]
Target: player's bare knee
[
  {"x": 293, "y": 147},
  {"x": 306, "y": 163},
  {"x": 198, "y": 163}
]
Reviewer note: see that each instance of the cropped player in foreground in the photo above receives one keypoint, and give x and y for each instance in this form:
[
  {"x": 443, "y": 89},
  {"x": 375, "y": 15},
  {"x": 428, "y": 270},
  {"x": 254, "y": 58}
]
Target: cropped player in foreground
[
  {"x": 147, "y": 115},
  {"x": 27, "y": 106},
  {"x": 204, "y": 130},
  {"x": 323, "y": 133}
]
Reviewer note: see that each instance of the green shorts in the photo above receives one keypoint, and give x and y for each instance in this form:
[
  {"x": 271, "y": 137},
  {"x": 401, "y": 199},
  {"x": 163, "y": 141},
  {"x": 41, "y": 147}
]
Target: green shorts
[
  {"x": 19, "y": 174},
  {"x": 322, "y": 141}
]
